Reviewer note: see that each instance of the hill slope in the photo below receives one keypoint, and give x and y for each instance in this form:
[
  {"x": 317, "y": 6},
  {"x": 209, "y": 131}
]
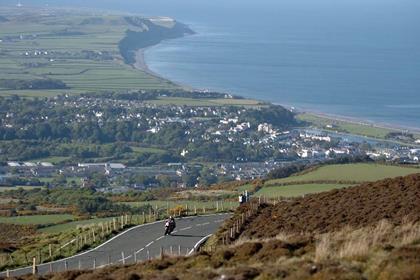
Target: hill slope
[
  {"x": 359, "y": 206},
  {"x": 335, "y": 235}
]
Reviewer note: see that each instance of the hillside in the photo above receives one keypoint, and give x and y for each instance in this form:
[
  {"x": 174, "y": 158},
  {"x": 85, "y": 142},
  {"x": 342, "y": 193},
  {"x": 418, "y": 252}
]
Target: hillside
[
  {"x": 391, "y": 199},
  {"x": 370, "y": 231},
  {"x": 151, "y": 34}
]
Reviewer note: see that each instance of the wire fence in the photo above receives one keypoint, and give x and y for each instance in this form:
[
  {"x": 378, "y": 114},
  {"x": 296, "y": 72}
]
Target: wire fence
[{"x": 91, "y": 235}]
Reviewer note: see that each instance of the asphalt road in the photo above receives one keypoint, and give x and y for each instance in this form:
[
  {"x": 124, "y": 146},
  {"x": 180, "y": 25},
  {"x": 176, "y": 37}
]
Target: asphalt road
[{"x": 136, "y": 244}]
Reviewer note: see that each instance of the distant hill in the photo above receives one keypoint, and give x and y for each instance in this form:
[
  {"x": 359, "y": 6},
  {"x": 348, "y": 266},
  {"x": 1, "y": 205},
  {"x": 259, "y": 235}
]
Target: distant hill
[
  {"x": 3, "y": 19},
  {"x": 152, "y": 34}
]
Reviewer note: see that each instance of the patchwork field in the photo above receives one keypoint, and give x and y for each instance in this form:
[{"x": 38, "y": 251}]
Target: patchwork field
[
  {"x": 191, "y": 204},
  {"x": 360, "y": 172},
  {"x": 71, "y": 47},
  {"x": 329, "y": 177},
  {"x": 37, "y": 219},
  {"x": 297, "y": 190}
]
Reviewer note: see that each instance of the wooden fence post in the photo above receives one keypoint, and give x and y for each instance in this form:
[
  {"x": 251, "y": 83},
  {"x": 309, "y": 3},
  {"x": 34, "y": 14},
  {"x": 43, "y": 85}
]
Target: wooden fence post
[
  {"x": 50, "y": 250},
  {"x": 123, "y": 258},
  {"x": 93, "y": 235},
  {"x": 34, "y": 270}
]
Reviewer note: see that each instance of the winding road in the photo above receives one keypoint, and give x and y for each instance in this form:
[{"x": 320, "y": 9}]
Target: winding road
[{"x": 137, "y": 244}]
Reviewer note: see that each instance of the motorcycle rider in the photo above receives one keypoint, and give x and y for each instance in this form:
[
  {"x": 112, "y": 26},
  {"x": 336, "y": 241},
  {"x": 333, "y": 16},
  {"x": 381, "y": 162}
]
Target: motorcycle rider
[{"x": 170, "y": 225}]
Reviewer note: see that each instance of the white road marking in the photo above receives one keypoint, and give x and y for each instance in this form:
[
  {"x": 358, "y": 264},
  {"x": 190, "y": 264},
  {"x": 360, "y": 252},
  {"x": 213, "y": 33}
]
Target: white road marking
[
  {"x": 139, "y": 250},
  {"x": 185, "y": 228},
  {"x": 160, "y": 238},
  {"x": 150, "y": 244},
  {"x": 120, "y": 235}
]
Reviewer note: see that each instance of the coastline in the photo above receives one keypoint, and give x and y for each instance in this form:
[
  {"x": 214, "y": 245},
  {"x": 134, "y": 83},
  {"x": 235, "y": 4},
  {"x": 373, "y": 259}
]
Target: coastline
[
  {"x": 356, "y": 121},
  {"x": 141, "y": 64}
]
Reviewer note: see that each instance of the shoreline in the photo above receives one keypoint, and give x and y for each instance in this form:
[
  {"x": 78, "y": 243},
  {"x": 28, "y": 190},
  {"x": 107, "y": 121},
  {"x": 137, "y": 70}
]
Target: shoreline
[
  {"x": 141, "y": 64},
  {"x": 361, "y": 122}
]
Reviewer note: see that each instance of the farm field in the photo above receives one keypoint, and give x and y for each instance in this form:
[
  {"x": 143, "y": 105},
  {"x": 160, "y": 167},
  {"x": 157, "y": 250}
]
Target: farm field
[
  {"x": 350, "y": 127},
  {"x": 37, "y": 219},
  {"x": 180, "y": 101},
  {"x": 297, "y": 190},
  {"x": 3, "y": 189},
  {"x": 69, "y": 47},
  {"x": 72, "y": 225},
  {"x": 358, "y": 173},
  {"x": 142, "y": 150},
  {"x": 161, "y": 204},
  {"x": 52, "y": 159}
]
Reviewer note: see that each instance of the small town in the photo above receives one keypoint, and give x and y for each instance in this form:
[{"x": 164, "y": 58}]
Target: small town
[{"x": 259, "y": 147}]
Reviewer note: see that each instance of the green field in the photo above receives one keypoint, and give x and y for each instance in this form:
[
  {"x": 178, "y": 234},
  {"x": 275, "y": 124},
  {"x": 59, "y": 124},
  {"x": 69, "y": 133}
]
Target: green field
[
  {"x": 346, "y": 126},
  {"x": 52, "y": 159},
  {"x": 360, "y": 172},
  {"x": 296, "y": 190},
  {"x": 247, "y": 187},
  {"x": 73, "y": 225},
  {"x": 330, "y": 177},
  {"x": 37, "y": 219},
  {"x": 3, "y": 189},
  {"x": 52, "y": 54},
  {"x": 180, "y": 101},
  {"x": 191, "y": 204},
  {"x": 143, "y": 150}
]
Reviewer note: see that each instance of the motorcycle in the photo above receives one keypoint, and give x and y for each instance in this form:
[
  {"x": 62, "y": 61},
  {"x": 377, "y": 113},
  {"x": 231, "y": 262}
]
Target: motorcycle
[{"x": 169, "y": 227}]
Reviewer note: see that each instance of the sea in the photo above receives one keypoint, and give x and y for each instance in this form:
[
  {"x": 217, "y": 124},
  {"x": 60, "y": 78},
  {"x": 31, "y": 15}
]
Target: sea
[{"x": 358, "y": 59}]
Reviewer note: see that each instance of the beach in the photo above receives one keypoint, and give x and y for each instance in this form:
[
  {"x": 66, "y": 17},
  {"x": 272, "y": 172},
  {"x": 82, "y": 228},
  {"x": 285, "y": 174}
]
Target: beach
[{"x": 141, "y": 64}]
